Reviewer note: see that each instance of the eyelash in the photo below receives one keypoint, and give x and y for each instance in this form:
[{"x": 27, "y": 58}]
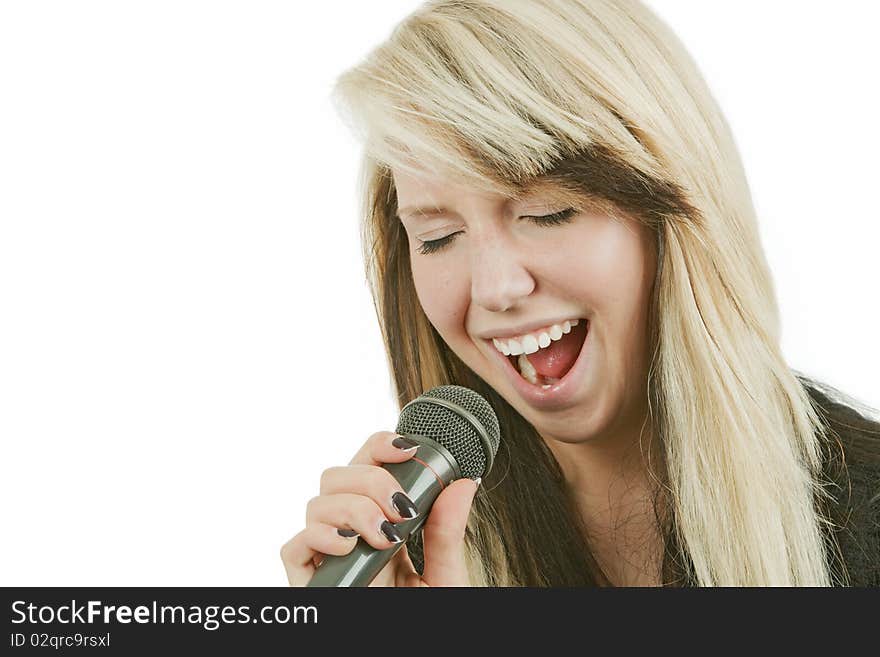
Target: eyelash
[{"x": 557, "y": 218}]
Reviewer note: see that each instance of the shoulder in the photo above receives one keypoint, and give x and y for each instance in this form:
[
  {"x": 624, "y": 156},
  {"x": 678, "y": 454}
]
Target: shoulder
[{"x": 852, "y": 466}]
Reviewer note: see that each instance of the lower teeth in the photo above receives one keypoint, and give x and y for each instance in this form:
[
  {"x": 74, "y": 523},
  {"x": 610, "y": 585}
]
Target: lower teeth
[{"x": 528, "y": 372}]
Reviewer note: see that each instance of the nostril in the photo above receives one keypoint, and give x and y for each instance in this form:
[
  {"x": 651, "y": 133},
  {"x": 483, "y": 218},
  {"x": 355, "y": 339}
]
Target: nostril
[{"x": 499, "y": 287}]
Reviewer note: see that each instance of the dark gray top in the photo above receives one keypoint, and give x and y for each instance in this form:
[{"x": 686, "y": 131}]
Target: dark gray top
[{"x": 853, "y": 465}]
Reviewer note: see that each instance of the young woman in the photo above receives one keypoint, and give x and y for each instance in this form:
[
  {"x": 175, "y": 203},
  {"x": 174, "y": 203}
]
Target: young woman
[{"x": 556, "y": 216}]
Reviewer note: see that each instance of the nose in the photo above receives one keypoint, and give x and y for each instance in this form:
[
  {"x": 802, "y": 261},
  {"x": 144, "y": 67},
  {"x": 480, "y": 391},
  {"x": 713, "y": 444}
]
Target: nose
[{"x": 499, "y": 278}]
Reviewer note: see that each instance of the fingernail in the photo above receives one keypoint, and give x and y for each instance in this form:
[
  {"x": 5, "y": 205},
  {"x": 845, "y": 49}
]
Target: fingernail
[
  {"x": 404, "y": 443},
  {"x": 404, "y": 505},
  {"x": 390, "y": 532},
  {"x": 347, "y": 533},
  {"x": 478, "y": 481}
]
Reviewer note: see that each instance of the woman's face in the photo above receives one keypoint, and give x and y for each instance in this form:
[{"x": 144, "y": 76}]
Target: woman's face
[{"x": 505, "y": 275}]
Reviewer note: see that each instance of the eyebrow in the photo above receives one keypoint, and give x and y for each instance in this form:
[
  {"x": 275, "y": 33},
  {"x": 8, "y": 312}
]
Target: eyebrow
[
  {"x": 424, "y": 211},
  {"x": 437, "y": 210}
]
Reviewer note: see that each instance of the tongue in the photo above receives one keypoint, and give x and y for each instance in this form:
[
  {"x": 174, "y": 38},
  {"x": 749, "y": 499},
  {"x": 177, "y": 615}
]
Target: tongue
[{"x": 558, "y": 357}]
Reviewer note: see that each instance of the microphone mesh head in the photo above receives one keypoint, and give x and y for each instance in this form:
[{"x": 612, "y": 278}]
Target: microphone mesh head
[{"x": 460, "y": 420}]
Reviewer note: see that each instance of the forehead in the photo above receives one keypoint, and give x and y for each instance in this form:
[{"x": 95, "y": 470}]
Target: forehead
[
  {"x": 426, "y": 186},
  {"x": 422, "y": 194}
]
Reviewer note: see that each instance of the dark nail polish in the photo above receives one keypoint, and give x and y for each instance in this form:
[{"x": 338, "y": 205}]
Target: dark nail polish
[
  {"x": 404, "y": 506},
  {"x": 347, "y": 533},
  {"x": 390, "y": 532},
  {"x": 404, "y": 443}
]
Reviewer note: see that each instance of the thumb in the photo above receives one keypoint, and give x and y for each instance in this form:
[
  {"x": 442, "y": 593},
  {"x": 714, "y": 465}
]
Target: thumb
[{"x": 443, "y": 535}]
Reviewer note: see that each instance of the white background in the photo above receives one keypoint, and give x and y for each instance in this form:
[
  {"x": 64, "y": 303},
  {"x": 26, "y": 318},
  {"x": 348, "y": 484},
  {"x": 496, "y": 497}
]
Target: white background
[{"x": 186, "y": 336}]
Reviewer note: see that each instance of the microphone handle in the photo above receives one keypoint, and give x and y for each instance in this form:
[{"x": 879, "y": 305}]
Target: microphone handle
[{"x": 422, "y": 478}]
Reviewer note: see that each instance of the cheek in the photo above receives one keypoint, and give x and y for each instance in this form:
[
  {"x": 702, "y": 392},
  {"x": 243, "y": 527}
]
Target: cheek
[
  {"x": 608, "y": 262},
  {"x": 614, "y": 274},
  {"x": 441, "y": 292}
]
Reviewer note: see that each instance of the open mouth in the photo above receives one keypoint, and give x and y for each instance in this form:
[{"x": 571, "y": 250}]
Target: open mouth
[{"x": 549, "y": 365}]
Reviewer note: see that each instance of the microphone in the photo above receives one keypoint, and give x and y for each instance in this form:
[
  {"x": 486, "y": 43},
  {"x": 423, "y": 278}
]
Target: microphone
[{"x": 458, "y": 434}]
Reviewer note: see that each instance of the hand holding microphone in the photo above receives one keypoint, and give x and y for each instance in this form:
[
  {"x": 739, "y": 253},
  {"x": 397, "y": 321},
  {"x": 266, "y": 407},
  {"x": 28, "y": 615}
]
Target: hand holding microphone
[{"x": 451, "y": 436}]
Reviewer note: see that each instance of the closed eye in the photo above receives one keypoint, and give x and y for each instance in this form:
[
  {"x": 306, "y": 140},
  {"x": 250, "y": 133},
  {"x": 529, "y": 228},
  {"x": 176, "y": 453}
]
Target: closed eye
[
  {"x": 432, "y": 246},
  {"x": 555, "y": 219}
]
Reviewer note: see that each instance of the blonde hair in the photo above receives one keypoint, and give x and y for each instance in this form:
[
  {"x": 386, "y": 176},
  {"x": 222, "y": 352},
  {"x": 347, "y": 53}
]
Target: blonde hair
[{"x": 600, "y": 99}]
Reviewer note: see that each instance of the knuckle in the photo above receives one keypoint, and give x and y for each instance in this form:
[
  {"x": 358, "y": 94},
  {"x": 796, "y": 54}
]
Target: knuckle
[
  {"x": 343, "y": 546},
  {"x": 363, "y": 508},
  {"x": 376, "y": 437},
  {"x": 448, "y": 537},
  {"x": 288, "y": 548},
  {"x": 312, "y": 505},
  {"x": 327, "y": 476},
  {"x": 379, "y": 439},
  {"x": 379, "y": 479}
]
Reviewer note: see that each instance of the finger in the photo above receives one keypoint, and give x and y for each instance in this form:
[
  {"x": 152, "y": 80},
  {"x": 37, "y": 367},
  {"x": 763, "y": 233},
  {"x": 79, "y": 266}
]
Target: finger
[
  {"x": 354, "y": 512},
  {"x": 443, "y": 535},
  {"x": 304, "y": 551},
  {"x": 374, "y": 482},
  {"x": 398, "y": 571},
  {"x": 385, "y": 447}
]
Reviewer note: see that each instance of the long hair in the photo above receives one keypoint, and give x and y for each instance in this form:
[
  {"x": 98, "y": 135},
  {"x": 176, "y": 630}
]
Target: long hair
[{"x": 599, "y": 100}]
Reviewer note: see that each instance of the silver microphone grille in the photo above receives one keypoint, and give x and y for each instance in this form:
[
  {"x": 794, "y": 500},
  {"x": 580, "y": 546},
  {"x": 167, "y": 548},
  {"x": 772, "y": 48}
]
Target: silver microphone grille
[{"x": 461, "y": 420}]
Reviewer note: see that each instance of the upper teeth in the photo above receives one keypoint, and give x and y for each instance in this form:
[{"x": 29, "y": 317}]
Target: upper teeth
[{"x": 531, "y": 342}]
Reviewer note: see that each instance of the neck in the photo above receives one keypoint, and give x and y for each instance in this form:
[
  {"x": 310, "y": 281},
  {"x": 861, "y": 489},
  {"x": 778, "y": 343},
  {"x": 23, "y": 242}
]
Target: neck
[{"x": 613, "y": 491}]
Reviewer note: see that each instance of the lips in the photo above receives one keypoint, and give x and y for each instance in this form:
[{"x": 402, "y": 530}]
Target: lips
[{"x": 559, "y": 394}]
